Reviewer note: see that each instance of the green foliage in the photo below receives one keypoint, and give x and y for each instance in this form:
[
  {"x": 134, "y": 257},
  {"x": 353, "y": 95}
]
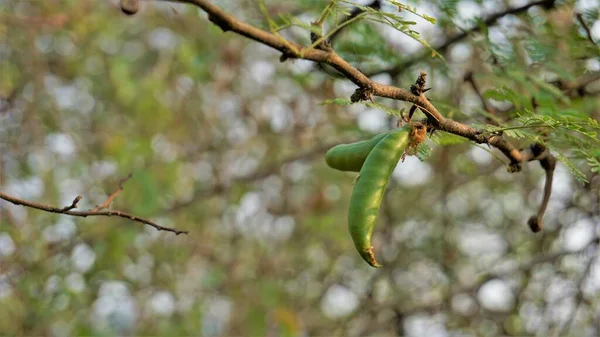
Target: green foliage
[
  {"x": 423, "y": 152},
  {"x": 503, "y": 94}
]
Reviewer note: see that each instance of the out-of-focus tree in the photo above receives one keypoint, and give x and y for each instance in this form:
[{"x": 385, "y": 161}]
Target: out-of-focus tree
[{"x": 166, "y": 125}]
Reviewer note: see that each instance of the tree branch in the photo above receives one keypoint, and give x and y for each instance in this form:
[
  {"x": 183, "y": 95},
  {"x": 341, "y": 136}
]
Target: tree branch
[
  {"x": 68, "y": 211},
  {"x": 356, "y": 11},
  {"x": 113, "y": 195},
  {"x": 491, "y": 20},
  {"x": 490, "y": 110},
  {"x": 585, "y": 27},
  {"x": 368, "y": 88}
]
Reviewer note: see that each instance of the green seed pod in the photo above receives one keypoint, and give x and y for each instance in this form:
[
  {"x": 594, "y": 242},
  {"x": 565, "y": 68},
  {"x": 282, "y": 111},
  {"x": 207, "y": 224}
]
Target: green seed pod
[
  {"x": 368, "y": 191},
  {"x": 350, "y": 157}
]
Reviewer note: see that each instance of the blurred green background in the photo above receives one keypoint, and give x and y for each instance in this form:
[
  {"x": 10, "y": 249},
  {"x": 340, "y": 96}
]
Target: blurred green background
[{"x": 227, "y": 142}]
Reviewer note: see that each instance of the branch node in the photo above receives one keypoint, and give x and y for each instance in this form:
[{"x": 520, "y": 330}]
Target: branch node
[
  {"x": 537, "y": 149},
  {"x": 315, "y": 36},
  {"x": 286, "y": 55},
  {"x": 73, "y": 204},
  {"x": 362, "y": 94}
]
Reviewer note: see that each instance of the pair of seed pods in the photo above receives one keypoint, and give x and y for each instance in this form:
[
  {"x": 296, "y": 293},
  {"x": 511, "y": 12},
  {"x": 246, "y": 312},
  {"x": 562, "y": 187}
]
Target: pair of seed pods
[{"x": 375, "y": 160}]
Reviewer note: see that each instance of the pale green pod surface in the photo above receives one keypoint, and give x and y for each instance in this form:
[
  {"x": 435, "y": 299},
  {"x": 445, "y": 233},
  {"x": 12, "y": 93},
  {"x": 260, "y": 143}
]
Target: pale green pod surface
[
  {"x": 350, "y": 157},
  {"x": 369, "y": 188}
]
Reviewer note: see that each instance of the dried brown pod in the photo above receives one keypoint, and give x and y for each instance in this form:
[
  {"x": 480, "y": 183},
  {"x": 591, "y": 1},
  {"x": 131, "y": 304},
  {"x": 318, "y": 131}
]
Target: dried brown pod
[{"x": 416, "y": 136}]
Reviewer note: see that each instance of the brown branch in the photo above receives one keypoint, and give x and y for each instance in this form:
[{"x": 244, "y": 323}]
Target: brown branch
[
  {"x": 68, "y": 211},
  {"x": 548, "y": 163},
  {"x": 113, "y": 195},
  {"x": 368, "y": 88}
]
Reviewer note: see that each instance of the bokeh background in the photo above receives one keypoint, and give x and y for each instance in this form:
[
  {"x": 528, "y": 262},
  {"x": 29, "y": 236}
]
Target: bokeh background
[{"x": 224, "y": 140}]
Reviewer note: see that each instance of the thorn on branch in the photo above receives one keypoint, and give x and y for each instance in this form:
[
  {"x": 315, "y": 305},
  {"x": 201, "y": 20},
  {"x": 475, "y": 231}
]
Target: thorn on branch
[
  {"x": 411, "y": 112},
  {"x": 419, "y": 87}
]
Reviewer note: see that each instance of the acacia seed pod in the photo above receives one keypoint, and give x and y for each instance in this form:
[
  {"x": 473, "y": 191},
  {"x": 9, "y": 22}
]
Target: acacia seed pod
[
  {"x": 368, "y": 191},
  {"x": 350, "y": 157}
]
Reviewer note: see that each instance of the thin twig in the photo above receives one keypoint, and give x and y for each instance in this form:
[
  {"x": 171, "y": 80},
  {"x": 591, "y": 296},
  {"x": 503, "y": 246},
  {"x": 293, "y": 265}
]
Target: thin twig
[
  {"x": 67, "y": 211},
  {"x": 471, "y": 80},
  {"x": 356, "y": 11},
  {"x": 585, "y": 27},
  {"x": 113, "y": 195}
]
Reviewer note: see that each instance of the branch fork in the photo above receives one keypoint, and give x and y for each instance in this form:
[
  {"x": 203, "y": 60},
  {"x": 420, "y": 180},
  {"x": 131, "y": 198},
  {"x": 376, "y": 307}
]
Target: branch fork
[
  {"x": 368, "y": 88},
  {"x": 68, "y": 210}
]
